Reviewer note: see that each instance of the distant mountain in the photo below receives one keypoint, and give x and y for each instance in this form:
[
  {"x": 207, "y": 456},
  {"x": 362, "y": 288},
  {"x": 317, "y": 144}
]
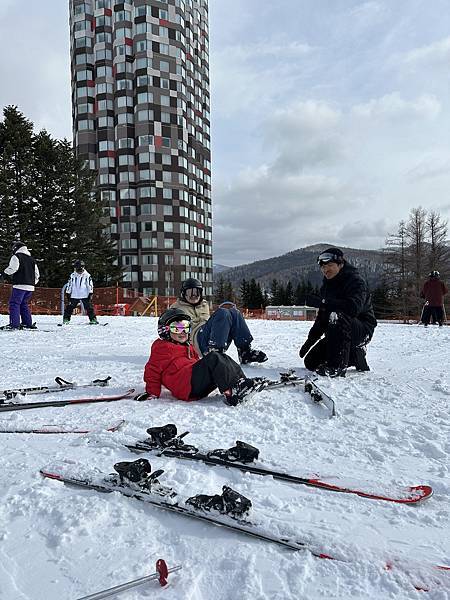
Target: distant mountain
[
  {"x": 219, "y": 268},
  {"x": 302, "y": 264}
]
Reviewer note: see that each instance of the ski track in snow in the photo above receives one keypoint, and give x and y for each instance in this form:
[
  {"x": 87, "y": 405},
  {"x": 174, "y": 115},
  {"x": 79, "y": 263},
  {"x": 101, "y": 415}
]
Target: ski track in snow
[{"x": 59, "y": 542}]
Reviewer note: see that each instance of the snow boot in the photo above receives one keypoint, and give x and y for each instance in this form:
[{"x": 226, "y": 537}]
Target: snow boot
[
  {"x": 228, "y": 503},
  {"x": 243, "y": 390},
  {"x": 247, "y": 355},
  {"x": 331, "y": 371}
]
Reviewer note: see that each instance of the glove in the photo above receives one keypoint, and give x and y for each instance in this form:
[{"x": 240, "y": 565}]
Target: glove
[
  {"x": 314, "y": 300},
  {"x": 90, "y": 297},
  {"x": 144, "y": 396},
  {"x": 305, "y": 348}
]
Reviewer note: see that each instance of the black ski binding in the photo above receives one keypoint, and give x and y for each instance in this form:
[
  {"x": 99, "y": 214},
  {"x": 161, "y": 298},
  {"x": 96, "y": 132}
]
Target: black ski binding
[
  {"x": 288, "y": 376},
  {"x": 139, "y": 472},
  {"x": 313, "y": 392},
  {"x": 166, "y": 438},
  {"x": 242, "y": 452},
  {"x": 229, "y": 503}
]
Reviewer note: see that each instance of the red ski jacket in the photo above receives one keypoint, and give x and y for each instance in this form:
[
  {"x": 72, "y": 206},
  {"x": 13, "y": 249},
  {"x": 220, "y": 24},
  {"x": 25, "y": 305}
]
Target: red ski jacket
[
  {"x": 434, "y": 291},
  {"x": 170, "y": 365}
]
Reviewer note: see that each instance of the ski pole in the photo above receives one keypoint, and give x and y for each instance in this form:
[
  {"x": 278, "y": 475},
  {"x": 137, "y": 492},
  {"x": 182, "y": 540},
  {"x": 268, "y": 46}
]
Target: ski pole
[{"x": 161, "y": 573}]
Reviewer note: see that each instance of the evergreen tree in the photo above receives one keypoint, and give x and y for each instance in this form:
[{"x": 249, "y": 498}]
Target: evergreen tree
[
  {"x": 289, "y": 294},
  {"x": 245, "y": 293},
  {"x": 47, "y": 198},
  {"x": 228, "y": 293},
  {"x": 16, "y": 179}
]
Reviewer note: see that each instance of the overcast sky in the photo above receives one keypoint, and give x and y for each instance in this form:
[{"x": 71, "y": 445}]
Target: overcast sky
[{"x": 330, "y": 118}]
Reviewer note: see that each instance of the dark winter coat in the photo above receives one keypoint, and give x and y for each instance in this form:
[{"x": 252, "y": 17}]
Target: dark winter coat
[
  {"x": 434, "y": 291},
  {"x": 170, "y": 365},
  {"x": 346, "y": 293}
]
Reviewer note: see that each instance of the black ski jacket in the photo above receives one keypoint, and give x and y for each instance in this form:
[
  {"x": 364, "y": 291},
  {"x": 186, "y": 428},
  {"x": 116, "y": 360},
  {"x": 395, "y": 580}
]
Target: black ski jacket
[{"x": 346, "y": 293}]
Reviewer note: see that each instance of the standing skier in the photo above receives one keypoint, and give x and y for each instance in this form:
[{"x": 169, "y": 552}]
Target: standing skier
[
  {"x": 175, "y": 364},
  {"x": 433, "y": 291},
  {"x": 80, "y": 289},
  {"x": 24, "y": 272},
  {"x": 216, "y": 332},
  {"x": 345, "y": 318}
]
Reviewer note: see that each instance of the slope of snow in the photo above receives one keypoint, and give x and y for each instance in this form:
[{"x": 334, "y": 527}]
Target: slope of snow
[{"x": 59, "y": 542}]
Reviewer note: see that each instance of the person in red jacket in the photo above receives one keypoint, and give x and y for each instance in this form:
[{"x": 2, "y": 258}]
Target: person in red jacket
[
  {"x": 175, "y": 364},
  {"x": 433, "y": 291}
]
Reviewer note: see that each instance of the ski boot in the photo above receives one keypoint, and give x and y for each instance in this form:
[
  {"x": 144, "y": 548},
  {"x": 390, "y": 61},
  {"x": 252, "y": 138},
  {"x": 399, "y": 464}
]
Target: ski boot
[
  {"x": 139, "y": 473},
  {"x": 93, "y": 321},
  {"x": 242, "y": 452},
  {"x": 247, "y": 355},
  {"x": 9, "y": 328},
  {"x": 166, "y": 438},
  {"x": 32, "y": 326},
  {"x": 331, "y": 371},
  {"x": 229, "y": 502},
  {"x": 243, "y": 390},
  {"x": 66, "y": 321}
]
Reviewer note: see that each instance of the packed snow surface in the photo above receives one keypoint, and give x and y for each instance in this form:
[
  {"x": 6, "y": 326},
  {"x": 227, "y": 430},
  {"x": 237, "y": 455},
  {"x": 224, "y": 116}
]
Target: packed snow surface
[{"x": 60, "y": 542}]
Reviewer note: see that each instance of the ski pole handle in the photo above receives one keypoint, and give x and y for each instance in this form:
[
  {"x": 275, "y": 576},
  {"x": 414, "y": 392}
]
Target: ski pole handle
[{"x": 126, "y": 586}]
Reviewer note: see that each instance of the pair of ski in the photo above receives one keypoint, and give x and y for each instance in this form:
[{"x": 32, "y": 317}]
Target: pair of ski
[
  {"x": 229, "y": 509},
  {"x": 6, "y": 405},
  {"x": 136, "y": 480}
]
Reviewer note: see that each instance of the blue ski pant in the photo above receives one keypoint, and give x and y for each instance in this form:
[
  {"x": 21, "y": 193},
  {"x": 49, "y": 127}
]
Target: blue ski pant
[
  {"x": 18, "y": 308},
  {"x": 224, "y": 326}
]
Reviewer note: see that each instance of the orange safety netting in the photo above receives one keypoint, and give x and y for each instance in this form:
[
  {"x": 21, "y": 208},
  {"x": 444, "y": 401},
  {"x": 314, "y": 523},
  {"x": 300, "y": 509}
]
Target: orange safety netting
[{"x": 107, "y": 301}]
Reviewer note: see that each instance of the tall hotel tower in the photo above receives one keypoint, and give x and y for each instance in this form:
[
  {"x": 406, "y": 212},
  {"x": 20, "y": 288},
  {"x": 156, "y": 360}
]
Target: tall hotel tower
[{"x": 140, "y": 98}]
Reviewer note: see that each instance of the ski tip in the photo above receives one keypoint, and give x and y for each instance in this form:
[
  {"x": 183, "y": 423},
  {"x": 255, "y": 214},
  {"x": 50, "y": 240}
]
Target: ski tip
[
  {"x": 420, "y": 492},
  {"x": 50, "y": 475}
]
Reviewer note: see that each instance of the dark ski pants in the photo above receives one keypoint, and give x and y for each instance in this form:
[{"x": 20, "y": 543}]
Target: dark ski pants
[
  {"x": 432, "y": 313},
  {"x": 87, "y": 305},
  {"x": 19, "y": 309},
  {"x": 338, "y": 349},
  {"x": 214, "y": 370},
  {"x": 223, "y": 327}
]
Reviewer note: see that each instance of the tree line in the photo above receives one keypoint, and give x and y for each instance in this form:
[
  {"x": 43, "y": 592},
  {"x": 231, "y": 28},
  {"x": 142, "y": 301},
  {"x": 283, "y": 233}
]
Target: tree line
[
  {"x": 48, "y": 201},
  {"x": 252, "y": 296}
]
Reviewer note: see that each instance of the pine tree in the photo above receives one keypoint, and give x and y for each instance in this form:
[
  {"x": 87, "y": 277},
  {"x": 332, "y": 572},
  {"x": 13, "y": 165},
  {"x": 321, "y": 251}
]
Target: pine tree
[
  {"x": 16, "y": 179},
  {"x": 245, "y": 293},
  {"x": 47, "y": 197},
  {"x": 289, "y": 294}
]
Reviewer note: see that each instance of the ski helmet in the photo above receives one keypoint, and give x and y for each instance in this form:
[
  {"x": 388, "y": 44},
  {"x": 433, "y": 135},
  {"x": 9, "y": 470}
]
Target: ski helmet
[
  {"x": 331, "y": 255},
  {"x": 78, "y": 264},
  {"x": 168, "y": 317},
  {"x": 16, "y": 245},
  {"x": 191, "y": 284},
  {"x": 434, "y": 274}
]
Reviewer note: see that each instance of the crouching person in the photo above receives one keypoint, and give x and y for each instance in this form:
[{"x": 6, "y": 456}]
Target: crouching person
[
  {"x": 345, "y": 319},
  {"x": 175, "y": 364}
]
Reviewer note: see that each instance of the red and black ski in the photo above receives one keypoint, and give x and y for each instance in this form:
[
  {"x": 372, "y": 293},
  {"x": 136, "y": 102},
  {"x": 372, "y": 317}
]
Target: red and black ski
[{"x": 164, "y": 441}]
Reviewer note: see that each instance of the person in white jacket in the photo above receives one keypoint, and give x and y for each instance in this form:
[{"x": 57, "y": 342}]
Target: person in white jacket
[{"x": 80, "y": 289}]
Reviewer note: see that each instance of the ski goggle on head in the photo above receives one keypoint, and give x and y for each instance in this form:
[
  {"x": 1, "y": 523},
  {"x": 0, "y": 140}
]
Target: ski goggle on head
[
  {"x": 180, "y": 327},
  {"x": 327, "y": 257}
]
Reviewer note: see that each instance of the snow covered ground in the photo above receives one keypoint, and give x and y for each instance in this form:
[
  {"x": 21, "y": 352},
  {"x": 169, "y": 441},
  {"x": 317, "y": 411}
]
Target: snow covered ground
[{"x": 59, "y": 542}]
